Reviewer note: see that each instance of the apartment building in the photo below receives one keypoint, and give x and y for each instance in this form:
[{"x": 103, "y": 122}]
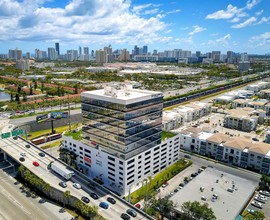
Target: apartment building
[
  {"x": 238, "y": 151},
  {"x": 257, "y": 87},
  {"x": 243, "y": 103},
  {"x": 121, "y": 139},
  {"x": 244, "y": 119}
]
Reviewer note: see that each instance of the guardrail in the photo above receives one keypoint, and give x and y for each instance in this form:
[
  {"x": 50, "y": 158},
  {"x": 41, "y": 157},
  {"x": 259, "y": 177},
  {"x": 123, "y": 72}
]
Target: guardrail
[{"x": 93, "y": 182}]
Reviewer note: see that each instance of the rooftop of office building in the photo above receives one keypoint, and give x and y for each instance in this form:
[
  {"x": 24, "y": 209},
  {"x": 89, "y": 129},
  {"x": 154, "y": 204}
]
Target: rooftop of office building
[{"x": 122, "y": 94}]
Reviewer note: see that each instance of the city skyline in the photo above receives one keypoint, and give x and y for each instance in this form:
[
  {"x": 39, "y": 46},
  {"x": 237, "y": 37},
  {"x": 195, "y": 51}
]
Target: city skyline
[{"x": 123, "y": 24}]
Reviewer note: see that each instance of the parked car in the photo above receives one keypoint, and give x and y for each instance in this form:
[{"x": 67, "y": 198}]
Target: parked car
[
  {"x": 35, "y": 163},
  {"x": 111, "y": 200},
  {"x": 138, "y": 205},
  {"x": 63, "y": 184},
  {"x": 264, "y": 192},
  {"x": 85, "y": 199},
  {"x": 187, "y": 156},
  {"x": 27, "y": 146},
  {"x": 259, "y": 199},
  {"x": 104, "y": 205},
  {"x": 125, "y": 216},
  {"x": 77, "y": 185},
  {"x": 165, "y": 184},
  {"x": 94, "y": 195},
  {"x": 132, "y": 213},
  {"x": 257, "y": 204}
]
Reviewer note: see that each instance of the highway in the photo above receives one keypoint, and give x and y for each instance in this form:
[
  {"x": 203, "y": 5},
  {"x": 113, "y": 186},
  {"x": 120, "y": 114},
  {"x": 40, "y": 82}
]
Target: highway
[
  {"x": 16, "y": 203},
  {"x": 15, "y": 147}
]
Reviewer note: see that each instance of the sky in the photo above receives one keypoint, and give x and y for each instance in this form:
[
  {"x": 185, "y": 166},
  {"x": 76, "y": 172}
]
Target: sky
[{"x": 208, "y": 25}]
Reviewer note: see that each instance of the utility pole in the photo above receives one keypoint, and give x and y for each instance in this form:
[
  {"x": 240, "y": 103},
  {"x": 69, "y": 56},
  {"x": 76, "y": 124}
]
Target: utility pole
[{"x": 69, "y": 114}]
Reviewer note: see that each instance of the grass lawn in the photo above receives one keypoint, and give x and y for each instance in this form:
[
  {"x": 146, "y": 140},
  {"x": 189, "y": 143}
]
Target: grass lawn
[
  {"x": 76, "y": 135},
  {"x": 166, "y": 134},
  {"x": 52, "y": 144},
  {"x": 156, "y": 181},
  {"x": 36, "y": 134}
]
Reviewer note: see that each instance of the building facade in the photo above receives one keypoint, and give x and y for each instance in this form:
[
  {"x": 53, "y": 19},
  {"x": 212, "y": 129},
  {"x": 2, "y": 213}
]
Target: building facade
[{"x": 121, "y": 138}]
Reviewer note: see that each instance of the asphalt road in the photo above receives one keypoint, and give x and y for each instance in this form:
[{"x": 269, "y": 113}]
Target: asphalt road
[
  {"x": 24, "y": 120},
  {"x": 15, "y": 204}
]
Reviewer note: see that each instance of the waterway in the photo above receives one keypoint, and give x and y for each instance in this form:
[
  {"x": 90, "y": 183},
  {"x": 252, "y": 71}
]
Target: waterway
[{"x": 4, "y": 96}]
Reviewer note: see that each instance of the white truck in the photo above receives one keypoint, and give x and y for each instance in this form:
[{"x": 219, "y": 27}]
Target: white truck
[{"x": 61, "y": 170}]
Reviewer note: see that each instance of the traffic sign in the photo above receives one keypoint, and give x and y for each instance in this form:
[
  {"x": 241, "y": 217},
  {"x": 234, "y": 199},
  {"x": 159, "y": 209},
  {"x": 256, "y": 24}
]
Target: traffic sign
[
  {"x": 5, "y": 135},
  {"x": 17, "y": 132}
]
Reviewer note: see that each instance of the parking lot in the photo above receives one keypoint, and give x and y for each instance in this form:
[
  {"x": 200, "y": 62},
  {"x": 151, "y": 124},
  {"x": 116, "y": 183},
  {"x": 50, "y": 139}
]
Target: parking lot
[
  {"x": 265, "y": 209},
  {"x": 211, "y": 187}
]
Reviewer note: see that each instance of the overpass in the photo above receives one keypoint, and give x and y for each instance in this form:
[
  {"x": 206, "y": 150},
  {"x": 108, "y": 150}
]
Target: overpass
[{"x": 14, "y": 146}]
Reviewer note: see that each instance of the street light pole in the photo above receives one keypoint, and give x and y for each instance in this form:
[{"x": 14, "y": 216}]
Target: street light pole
[{"x": 69, "y": 114}]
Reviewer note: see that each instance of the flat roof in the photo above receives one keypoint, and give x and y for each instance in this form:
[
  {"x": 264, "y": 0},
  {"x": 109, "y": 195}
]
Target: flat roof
[
  {"x": 228, "y": 204},
  {"x": 124, "y": 95}
]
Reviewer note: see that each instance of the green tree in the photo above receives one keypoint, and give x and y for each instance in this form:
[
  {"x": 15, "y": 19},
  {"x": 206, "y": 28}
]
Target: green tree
[
  {"x": 42, "y": 87},
  {"x": 24, "y": 97},
  {"x": 19, "y": 89},
  {"x": 35, "y": 84},
  {"x": 31, "y": 90},
  {"x": 66, "y": 197},
  {"x": 194, "y": 210},
  {"x": 17, "y": 97},
  {"x": 11, "y": 97},
  {"x": 164, "y": 206}
]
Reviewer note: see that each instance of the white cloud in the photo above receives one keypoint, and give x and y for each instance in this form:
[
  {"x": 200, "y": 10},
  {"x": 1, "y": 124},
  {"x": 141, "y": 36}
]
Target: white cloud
[
  {"x": 264, "y": 20},
  {"x": 229, "y": 13},
  {"x": 251, "y": 3},
  {"x": 258, "y": 13},
  {"x": 115, "y": 21},
  {"x": 234, "y": 20},
  {"x": 197, "y": 29},
  {"x": 261, "y": 40},
  {"x": 174, "y": 11},
  {"x": 246, "y": 23},
  {"x": 223, "y": 41}
]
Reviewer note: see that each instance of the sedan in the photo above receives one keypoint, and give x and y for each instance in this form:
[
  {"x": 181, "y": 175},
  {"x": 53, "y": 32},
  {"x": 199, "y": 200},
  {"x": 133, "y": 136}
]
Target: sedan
[
  {"x": 257, "y": 204},
  {"x": 23, "y": 154},
  {"x": 63, "y": 184},
  {"x": 94, "y": 195},
  {"x": 35, "y": 163},
  {"x": 22, "y": 159},
  {"x": 85, "y": 199},
  {"x": 131, "y": 212},
  {"x": 111, "y": 200},
  {"x": 27, "y": 146},
  {"x": 125, "y": 216},
  {"x": 77, "y": 185},
  {"x": 41, "y": 154}
]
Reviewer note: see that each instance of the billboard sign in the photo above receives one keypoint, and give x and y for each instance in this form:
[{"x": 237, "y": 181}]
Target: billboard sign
[
  {"x": 59, "y": 115},
  {"x": 41, "y": 118}
]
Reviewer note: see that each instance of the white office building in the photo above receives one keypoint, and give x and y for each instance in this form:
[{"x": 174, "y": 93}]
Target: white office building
[{"x": 121, "y": 140}]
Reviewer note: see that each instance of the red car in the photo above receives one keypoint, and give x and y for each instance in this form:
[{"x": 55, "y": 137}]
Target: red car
[
  {"x": 138, "y": 206},
  {"x": 35, "y": 163}
]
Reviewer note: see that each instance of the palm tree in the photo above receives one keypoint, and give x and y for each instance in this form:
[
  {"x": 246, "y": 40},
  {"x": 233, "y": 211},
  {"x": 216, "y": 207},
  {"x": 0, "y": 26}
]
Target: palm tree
[{"x": 66, "y": 197}]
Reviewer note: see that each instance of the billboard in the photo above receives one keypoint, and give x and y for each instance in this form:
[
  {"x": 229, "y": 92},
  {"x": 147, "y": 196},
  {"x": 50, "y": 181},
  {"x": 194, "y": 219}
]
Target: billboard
[
  {"x": 59, "y": 115},
  {"x": 41, "y": 118}
]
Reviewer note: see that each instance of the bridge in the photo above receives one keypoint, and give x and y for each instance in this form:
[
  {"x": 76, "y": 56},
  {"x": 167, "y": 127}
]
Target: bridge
[{"x": 13, "y": 147}]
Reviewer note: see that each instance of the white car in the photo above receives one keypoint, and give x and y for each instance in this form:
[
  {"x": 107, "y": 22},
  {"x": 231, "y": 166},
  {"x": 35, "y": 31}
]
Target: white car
[
  {"x": 77, "y": 185},
  {"x": 23, "y": 154},
  {"x": 257, "y": 204}
]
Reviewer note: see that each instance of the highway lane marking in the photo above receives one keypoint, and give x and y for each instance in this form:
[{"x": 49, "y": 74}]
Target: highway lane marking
[{"x": 12, "y": 199}]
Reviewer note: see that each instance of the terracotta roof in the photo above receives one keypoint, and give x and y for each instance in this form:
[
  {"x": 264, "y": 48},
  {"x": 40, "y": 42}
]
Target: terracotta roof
[
  {"x": 259, "y": 147},
  {"x": 219, "y": 138},
  {"x": 238, "y": 143}
]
